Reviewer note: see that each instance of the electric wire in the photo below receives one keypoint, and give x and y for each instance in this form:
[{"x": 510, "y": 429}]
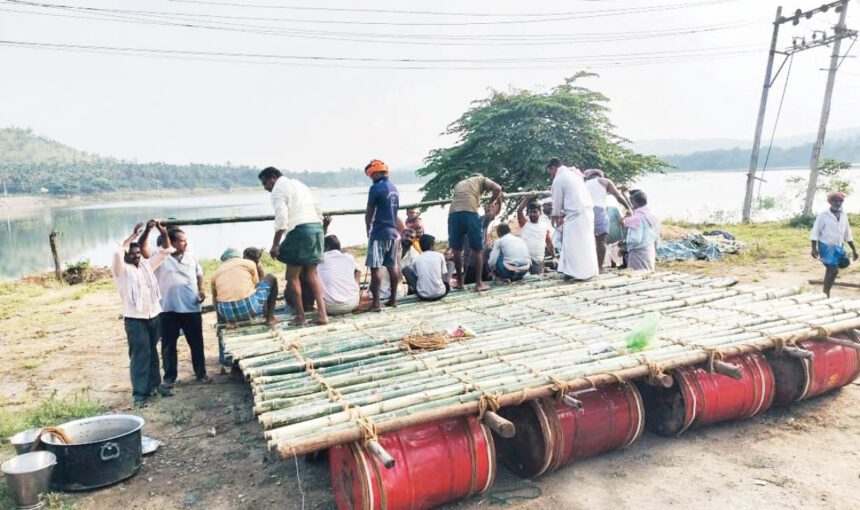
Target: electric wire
[
  {"x": 547, "y": 18},
  {"x": 775, "y": 124}
]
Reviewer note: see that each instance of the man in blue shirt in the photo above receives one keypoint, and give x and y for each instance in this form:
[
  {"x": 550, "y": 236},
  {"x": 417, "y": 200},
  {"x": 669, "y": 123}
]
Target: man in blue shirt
[{"x": 383, "y": 247}]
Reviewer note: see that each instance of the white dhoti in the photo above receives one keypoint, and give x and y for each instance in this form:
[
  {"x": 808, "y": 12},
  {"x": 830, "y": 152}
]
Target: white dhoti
[{"x": 578, "y": 257}]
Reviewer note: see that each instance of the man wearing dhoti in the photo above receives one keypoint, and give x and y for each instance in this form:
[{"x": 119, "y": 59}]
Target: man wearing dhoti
[{"x": 572, "y": 211}]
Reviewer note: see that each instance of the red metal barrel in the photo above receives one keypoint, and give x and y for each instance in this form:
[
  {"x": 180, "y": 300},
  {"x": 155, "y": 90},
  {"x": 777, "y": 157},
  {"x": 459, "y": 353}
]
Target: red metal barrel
[
  {"x": 832, "y": 366},
  {"x": 434, "y": 464},
  {"x": 551, "y": 434},
  {"x": 701, "y": 398}
]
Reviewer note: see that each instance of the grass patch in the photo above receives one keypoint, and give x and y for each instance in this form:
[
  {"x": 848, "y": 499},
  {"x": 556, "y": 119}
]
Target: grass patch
[
  {"x": 52, "y": 411},
  {"x": 772, "y": 244},
  {"x": 29, "y": 364},
  {"x": 179, "y": 416}
]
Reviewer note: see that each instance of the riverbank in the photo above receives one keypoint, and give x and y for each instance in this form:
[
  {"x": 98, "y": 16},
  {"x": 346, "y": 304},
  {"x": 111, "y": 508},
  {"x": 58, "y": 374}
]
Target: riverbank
[
  {"x": 61, "y": 340},
  {"x": 22, "y": 206}
]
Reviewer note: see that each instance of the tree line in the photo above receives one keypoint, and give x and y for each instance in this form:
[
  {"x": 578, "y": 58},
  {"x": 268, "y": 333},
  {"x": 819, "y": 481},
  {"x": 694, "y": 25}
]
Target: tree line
[
  {"x": 84, "y": 178},
  {"x": 847, "y": 149}
]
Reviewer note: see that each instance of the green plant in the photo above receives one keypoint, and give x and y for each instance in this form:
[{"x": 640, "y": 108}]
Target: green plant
[
  {"x": 77, "y": 272},
  {"x": 830, "y": 178},
  {"x": 802, "y": 221},
  {"x": 51, "y": 411}
]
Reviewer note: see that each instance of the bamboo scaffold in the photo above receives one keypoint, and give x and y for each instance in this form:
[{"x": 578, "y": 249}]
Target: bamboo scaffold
[{"x": 350, "y": 380}]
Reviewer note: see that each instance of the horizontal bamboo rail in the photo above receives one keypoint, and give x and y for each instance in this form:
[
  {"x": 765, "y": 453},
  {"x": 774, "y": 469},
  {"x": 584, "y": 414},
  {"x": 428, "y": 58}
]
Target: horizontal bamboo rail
[{"x": 341, "y": 212}]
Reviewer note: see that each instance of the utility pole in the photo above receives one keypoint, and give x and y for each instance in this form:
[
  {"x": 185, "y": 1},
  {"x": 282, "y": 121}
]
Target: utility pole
[
  {"x": 839, "y": 33},
  {"x": 760, "y": 122}
]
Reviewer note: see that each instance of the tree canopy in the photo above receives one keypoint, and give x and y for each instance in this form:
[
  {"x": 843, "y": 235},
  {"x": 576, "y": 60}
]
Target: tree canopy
[{"x": 509, "y": 137}]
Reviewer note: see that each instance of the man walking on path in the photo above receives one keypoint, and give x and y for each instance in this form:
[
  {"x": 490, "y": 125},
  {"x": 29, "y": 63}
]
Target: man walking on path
[
  {"x": 141, "y": 307},
  {"x": 180, "y": 281},
  {"x": 463, "y": 220},
  {"x": 830, "y": 230},
  {"x": 380, "y": 220},
  {"x": 299, "y": 221},
  {"x": 572, "y": 211}
]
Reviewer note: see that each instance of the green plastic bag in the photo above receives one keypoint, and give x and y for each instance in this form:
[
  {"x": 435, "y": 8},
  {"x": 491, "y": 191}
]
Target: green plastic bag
[{"x": 640, "y": 336}]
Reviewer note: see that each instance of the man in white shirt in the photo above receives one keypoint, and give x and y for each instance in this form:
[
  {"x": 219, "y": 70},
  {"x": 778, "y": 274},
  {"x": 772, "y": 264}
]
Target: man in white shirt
[
  {"x": 830, "y": 230},
  {"x": 138, "y": 289},
  {"x": 510, "y": 259},
  {"x": 428, "y": 276},
  {"x": 180, "y": 280},
  {"x": 297, "y": 216},
  {"x": 339, "y": 279},
  {"x": 572, "y": 211},
  {"x": 535, "y": 233}
]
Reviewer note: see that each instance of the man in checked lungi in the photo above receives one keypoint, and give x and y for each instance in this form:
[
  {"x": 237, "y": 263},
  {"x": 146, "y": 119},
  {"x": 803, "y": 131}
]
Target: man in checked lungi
[
  {"x": 240, "y": 290},
  {"x": 380, "y": 219},
  {"x": 830, "y": 231}
]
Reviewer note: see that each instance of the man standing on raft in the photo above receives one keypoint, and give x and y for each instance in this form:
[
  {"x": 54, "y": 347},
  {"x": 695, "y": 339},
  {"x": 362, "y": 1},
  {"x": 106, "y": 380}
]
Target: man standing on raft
[{"x": 297, "y": 216}]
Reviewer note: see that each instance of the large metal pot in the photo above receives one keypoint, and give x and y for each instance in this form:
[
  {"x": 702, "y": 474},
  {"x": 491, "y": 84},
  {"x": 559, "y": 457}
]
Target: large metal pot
[{"x": 103, "y": 450}]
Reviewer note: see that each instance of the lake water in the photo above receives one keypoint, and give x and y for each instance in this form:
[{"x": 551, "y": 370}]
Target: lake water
[{"x": 91, "y": 231}]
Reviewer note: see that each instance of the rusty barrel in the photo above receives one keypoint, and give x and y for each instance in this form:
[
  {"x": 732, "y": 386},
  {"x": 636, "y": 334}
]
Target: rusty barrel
[
  {"x": 551, "y": 434},
  {"x": 700, "y": 398},
  {"x": 831, "y": 367},
  {"x": 434, "y": 463}
]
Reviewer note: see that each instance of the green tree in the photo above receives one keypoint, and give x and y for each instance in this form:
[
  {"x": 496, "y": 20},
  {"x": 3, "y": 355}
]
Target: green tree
[
  {"x": 509, "y": 137},
  {"x": 830, "y": 178}
]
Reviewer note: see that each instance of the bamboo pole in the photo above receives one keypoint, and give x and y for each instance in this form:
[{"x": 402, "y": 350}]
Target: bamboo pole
[{"x": 340, "y": 212}]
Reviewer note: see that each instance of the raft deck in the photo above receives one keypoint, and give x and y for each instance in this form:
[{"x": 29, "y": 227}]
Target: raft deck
[{"x": 319, "y": 386}]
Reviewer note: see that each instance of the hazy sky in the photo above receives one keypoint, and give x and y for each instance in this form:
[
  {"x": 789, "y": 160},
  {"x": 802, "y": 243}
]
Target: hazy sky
[{"x": 689, "y": 72}]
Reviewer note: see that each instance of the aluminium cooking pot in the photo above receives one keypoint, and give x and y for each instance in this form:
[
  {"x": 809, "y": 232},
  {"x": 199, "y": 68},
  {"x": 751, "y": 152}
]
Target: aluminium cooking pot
[{"x": 104, "y": 450}]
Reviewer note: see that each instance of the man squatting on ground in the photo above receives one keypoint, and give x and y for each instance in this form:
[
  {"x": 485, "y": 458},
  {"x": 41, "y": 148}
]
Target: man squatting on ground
[
  {"x": 299, "y": 218},
  {"x": 141, "y": 307},
  {"x": 463, "y": 220},
  {"x": 830, "y": 230},
  {"x": 180, "y": 281},
  {"x": 240, "y": 290},
  {"x": 380, "y": 219}
]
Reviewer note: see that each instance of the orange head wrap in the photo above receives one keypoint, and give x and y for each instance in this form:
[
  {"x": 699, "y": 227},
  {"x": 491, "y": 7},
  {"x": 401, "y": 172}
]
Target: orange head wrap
[
  {"x": 375, "y": 166},
  {"x": 836, "y": 194}
]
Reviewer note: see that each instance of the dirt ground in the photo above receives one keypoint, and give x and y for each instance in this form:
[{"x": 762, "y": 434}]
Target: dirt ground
[{"x": 806, "y": 457}]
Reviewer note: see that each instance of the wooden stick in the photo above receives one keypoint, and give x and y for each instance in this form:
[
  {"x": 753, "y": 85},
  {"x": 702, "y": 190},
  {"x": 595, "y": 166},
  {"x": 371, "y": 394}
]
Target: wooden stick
[
  {"x": 499, "y": 425},
  {"x": 52, "y": 240},
  {"x": 728, "y": 369},
  {"x": 342, "y": 212},
  {"x": 838, "y": 284},
  {"x": 376, "y": 449},
  {"x": 572, "y": 402},
  {"x": 842, "y": 342},
  {"x": 795, "y": 352}
]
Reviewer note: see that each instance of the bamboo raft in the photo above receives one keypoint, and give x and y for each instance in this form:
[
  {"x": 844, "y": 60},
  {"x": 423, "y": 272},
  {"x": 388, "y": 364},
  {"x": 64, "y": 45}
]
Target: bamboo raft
[{"x": 355, "y": 378}]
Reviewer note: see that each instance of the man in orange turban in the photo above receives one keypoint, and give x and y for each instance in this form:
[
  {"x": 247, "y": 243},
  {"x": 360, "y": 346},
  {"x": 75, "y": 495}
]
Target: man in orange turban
[
  {"x": 830, "y": 231},
  {"x": 383, "y": 247}
]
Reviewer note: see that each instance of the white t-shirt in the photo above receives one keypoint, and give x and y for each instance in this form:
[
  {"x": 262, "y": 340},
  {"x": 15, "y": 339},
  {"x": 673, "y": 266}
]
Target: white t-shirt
[
  {"x": 337, "y": 275},
  {"x": 597, "y": 191},
  {"x": 430, "y": 269},
  {"x": 534, "y": 235}
]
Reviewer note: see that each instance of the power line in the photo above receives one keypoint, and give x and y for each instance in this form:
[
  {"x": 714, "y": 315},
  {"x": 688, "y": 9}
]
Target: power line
[
  {"x": 603, "y": 61},
  {"x": 547, "y": 18},
  {"x": 420, "y": 39},
  {"x": 373, "y": 11}
]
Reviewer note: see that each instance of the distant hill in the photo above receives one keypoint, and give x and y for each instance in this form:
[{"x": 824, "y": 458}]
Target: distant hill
[
  {"x": 846, "y": 149},
  {"x": 32, "y": 164},
  {"x": 18, "y": 145},
  {"x": 662, "y": 147}
]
